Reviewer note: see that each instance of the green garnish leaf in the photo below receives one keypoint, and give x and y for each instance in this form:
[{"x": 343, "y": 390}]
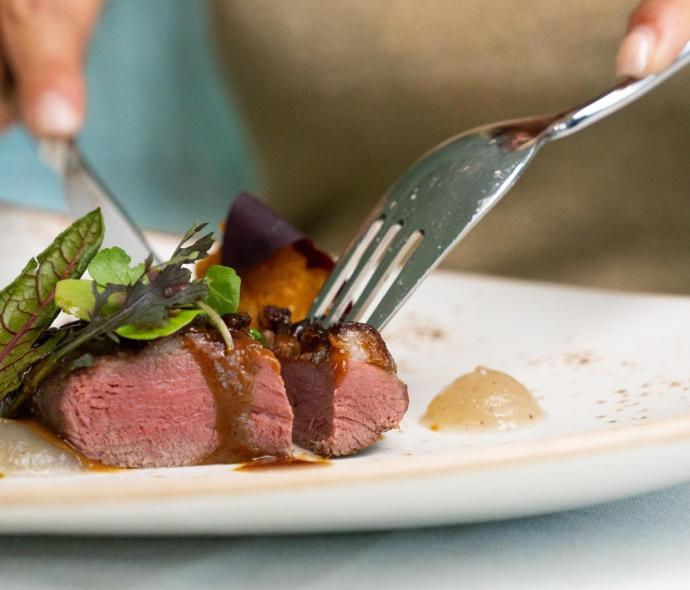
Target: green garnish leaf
[
  {"x": 160, "y": 302},
  {"x": 175, "y": 321},
  {"x": 258, "y": 335},
  {"x": 27, "y": 305},
  {"x": 112, "y": 265},
  {"x": 75, "y": 297},
  {"x": 223, "y": 289},
  {"x": 148, "y": 308},
  {"x": 190, "y": 253}
]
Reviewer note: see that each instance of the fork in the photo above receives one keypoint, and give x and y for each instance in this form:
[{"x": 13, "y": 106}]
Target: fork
[{"x": 433, "y": 205}]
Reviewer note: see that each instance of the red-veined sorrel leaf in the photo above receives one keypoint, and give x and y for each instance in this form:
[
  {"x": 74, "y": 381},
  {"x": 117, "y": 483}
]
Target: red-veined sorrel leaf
[{"x": 27, "y": 305}]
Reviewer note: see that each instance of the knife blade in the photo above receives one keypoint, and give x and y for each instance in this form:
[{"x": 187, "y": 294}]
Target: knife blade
[{"x": 84, "y": 192}]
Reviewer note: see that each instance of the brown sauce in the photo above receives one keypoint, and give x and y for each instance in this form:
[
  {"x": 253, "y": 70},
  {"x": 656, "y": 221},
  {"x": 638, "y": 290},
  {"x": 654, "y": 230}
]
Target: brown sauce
[
  {"x": 230, "y": 378},
  {"x": 357, "y": 342},
  {"x": 482, "y": 400},
  {"x": 272, "y": 463}
]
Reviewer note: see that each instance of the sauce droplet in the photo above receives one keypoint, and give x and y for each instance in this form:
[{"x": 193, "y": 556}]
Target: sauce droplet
[
  {"x": 272, "y": 463},
  {"x": 482, "y": 400}
]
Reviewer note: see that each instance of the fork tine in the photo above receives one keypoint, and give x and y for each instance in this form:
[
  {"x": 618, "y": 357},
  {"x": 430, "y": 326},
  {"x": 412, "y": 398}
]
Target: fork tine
[
  {"x": 366, "y": 261},
  {"x": 404, "y": 245},
  {"x": 344, "y": 266},
  {"x": 414, "y": 272}
]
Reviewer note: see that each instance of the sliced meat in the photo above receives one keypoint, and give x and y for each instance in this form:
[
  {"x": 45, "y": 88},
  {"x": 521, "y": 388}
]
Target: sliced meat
[
  {"x": 341, "y": 383},
  {"x": 180, "y": 400}
]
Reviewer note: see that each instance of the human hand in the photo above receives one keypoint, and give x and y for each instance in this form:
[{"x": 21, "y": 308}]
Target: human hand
[
  {"x": 42, "y": 50},
  {"x": 657, "y": 31}
]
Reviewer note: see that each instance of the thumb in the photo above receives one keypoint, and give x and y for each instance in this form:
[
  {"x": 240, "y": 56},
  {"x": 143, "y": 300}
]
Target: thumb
[{"x": 45, "y": 44}]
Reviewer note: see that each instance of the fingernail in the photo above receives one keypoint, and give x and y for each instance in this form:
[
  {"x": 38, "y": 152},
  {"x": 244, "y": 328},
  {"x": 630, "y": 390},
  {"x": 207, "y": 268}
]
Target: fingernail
[
  {"x": 55, "y": 115},
  {"x": 635, "y": 52}
]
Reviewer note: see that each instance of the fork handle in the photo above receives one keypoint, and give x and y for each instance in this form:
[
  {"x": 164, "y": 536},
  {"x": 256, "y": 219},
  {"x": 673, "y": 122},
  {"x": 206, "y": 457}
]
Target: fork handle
[{"x": 604, "y": 105}]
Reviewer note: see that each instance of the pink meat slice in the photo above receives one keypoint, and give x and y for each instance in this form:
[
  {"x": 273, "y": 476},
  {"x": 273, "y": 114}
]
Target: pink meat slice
[
  {"x": 344, "y": 390},
  {"x": 156, "y": 407}
]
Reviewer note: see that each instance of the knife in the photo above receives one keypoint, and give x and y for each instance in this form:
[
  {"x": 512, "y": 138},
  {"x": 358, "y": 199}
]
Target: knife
[{"x": 84, "y": 192}]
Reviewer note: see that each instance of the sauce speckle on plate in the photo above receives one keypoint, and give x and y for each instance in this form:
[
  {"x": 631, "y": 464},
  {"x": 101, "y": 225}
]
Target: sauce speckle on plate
[
  {"x": 270, "y": 463},
  {"x": 482, "y": 400}
]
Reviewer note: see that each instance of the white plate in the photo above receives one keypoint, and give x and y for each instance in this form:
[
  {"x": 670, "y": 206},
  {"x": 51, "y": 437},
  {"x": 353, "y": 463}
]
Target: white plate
[{"x": 610, "y": 370}]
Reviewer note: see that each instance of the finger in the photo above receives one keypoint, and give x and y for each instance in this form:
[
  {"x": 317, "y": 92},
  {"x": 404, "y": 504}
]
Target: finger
[
  {"x": 657, "y": 32},
  {"x": 45, "y": 43},
  {"x": 6, "y": 99}
]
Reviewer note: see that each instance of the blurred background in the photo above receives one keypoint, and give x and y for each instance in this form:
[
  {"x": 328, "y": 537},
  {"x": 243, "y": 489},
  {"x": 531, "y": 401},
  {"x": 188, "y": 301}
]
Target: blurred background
[
  {"x": 319, "y": 106},
  {"x": 162, "y": 129}
]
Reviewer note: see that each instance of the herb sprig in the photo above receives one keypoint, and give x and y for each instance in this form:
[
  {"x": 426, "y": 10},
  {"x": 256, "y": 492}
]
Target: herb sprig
[{"x": 148, "y": 301}]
